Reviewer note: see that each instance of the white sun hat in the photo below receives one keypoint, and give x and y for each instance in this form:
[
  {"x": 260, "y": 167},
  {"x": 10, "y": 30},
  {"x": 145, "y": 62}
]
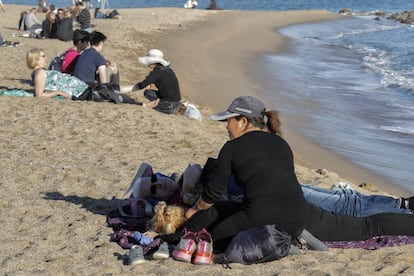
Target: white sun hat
[{"x": 153, "y": 56}]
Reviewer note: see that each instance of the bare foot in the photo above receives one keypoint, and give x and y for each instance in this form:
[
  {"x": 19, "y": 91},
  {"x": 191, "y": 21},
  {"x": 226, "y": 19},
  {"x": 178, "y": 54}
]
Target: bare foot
[{"x": 153, "y": 103}]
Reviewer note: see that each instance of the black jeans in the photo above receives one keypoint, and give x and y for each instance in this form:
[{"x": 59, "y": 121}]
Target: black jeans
[
  {"x": 168, "y": 107},
  {"x": 328, "y": 226}
]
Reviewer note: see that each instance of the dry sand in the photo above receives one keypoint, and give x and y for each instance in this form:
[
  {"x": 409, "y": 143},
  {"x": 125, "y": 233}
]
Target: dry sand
[{"x": 63, "y": 162}]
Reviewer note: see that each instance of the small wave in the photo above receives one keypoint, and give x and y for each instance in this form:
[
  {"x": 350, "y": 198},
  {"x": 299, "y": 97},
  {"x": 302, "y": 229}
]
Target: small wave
[
  {"x": 371, "y": 29},
  {"x": 398, "y": 129}
]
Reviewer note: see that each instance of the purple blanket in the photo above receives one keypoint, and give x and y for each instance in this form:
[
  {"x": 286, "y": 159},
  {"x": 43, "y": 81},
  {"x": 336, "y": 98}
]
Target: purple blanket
[{"x": 373, "y": 243}]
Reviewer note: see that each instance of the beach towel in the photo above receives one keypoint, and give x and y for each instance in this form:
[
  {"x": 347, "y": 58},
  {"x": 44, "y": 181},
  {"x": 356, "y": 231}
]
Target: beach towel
[
  {"x": 373, "y": 243},
  {"x": 16, "y": 93}
]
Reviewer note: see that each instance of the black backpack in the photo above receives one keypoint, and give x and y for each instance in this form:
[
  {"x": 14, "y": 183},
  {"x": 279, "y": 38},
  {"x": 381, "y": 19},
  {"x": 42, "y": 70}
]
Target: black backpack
[{"x": 106, "y": 92}]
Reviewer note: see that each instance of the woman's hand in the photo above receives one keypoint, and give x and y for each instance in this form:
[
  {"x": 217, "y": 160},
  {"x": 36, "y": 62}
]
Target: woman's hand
[
  {"x": 67, "y": 96},
  {"x": 190, "y": 212},
  {"x": 199, "y": 206}
]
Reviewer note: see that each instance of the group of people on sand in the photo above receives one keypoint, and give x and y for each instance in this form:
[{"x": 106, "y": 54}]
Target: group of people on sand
[
  {"x": 269, "y": 193},
  {"x": 60, "y": 22},
  {"x": 84, "y": 67}
]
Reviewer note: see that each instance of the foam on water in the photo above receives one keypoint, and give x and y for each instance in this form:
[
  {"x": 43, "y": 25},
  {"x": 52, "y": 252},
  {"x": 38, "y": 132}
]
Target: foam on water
[{"x": 344, "y": 79}]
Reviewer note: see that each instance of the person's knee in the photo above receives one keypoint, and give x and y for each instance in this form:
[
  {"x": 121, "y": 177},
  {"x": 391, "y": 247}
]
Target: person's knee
[{"x": 150, "y": 94}]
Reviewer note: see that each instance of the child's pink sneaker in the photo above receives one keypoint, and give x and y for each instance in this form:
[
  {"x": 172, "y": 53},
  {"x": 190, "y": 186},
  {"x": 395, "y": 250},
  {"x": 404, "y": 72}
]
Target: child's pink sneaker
[
  {"x": 184, "y": 250},
  {"x": 204, "y": 253}
]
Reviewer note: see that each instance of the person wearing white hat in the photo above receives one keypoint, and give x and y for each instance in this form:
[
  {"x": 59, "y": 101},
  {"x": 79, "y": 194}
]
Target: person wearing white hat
[{"x": 166, "y": 98}]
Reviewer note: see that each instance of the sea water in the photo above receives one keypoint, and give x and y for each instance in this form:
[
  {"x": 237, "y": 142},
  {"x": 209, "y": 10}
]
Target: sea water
[
  {"x": 351, "y": 81},
  {"x": 330, "y": 5}
]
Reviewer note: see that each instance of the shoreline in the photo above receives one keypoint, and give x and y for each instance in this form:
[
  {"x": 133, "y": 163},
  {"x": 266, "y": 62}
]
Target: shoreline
[{"x": 214, "y": 90}]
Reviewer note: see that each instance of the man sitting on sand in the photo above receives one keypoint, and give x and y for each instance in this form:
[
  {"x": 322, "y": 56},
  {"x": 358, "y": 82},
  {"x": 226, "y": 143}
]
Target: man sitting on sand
[
  {"x": 31, "y": 22},
  {"x": 83, "y": 16},
  {"x": 92, "y": 67}
]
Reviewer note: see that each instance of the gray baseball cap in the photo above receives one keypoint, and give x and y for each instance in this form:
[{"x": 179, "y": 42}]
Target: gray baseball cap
[{"x": 248, "y": 106}]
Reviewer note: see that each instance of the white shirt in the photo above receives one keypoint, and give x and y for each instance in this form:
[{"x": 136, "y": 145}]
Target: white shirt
[{"x": 190, "y": 4}]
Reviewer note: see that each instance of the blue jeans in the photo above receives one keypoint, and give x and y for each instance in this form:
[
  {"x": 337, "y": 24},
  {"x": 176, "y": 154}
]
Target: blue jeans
[{"x": 352, "y": 203}]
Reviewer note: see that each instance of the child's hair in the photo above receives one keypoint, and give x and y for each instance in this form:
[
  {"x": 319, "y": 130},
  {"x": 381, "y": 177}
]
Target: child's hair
[
  {"x": 167, "y": 218},
  {"x": 32, "y": 57}
]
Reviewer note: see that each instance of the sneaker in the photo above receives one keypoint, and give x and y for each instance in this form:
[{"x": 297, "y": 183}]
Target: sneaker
[
  {"x": 162, "y": 252},
  {"x": 136, "y": 255},
  {"x": 185, "y": 249},
  {"x": 204, "y": 251}
]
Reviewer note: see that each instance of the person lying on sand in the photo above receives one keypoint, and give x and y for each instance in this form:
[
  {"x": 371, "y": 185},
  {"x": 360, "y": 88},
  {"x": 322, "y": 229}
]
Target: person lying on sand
[{"x": 51, "y": 83}]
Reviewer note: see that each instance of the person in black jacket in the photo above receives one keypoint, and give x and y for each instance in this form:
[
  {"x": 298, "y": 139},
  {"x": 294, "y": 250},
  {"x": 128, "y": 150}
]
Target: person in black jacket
[
  {"x": 49, "y": 25},
  {"x": 65, "y": 28},
  {"x": 166, "y": 97}
]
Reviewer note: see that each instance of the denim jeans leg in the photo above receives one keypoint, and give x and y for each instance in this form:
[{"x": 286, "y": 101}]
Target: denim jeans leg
[
  {"x": 350, "y": 202},
  {"x": 329, "y": 200}
]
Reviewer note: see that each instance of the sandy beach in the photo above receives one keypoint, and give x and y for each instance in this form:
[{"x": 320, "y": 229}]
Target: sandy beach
[{"x": 64, "y": 164}]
